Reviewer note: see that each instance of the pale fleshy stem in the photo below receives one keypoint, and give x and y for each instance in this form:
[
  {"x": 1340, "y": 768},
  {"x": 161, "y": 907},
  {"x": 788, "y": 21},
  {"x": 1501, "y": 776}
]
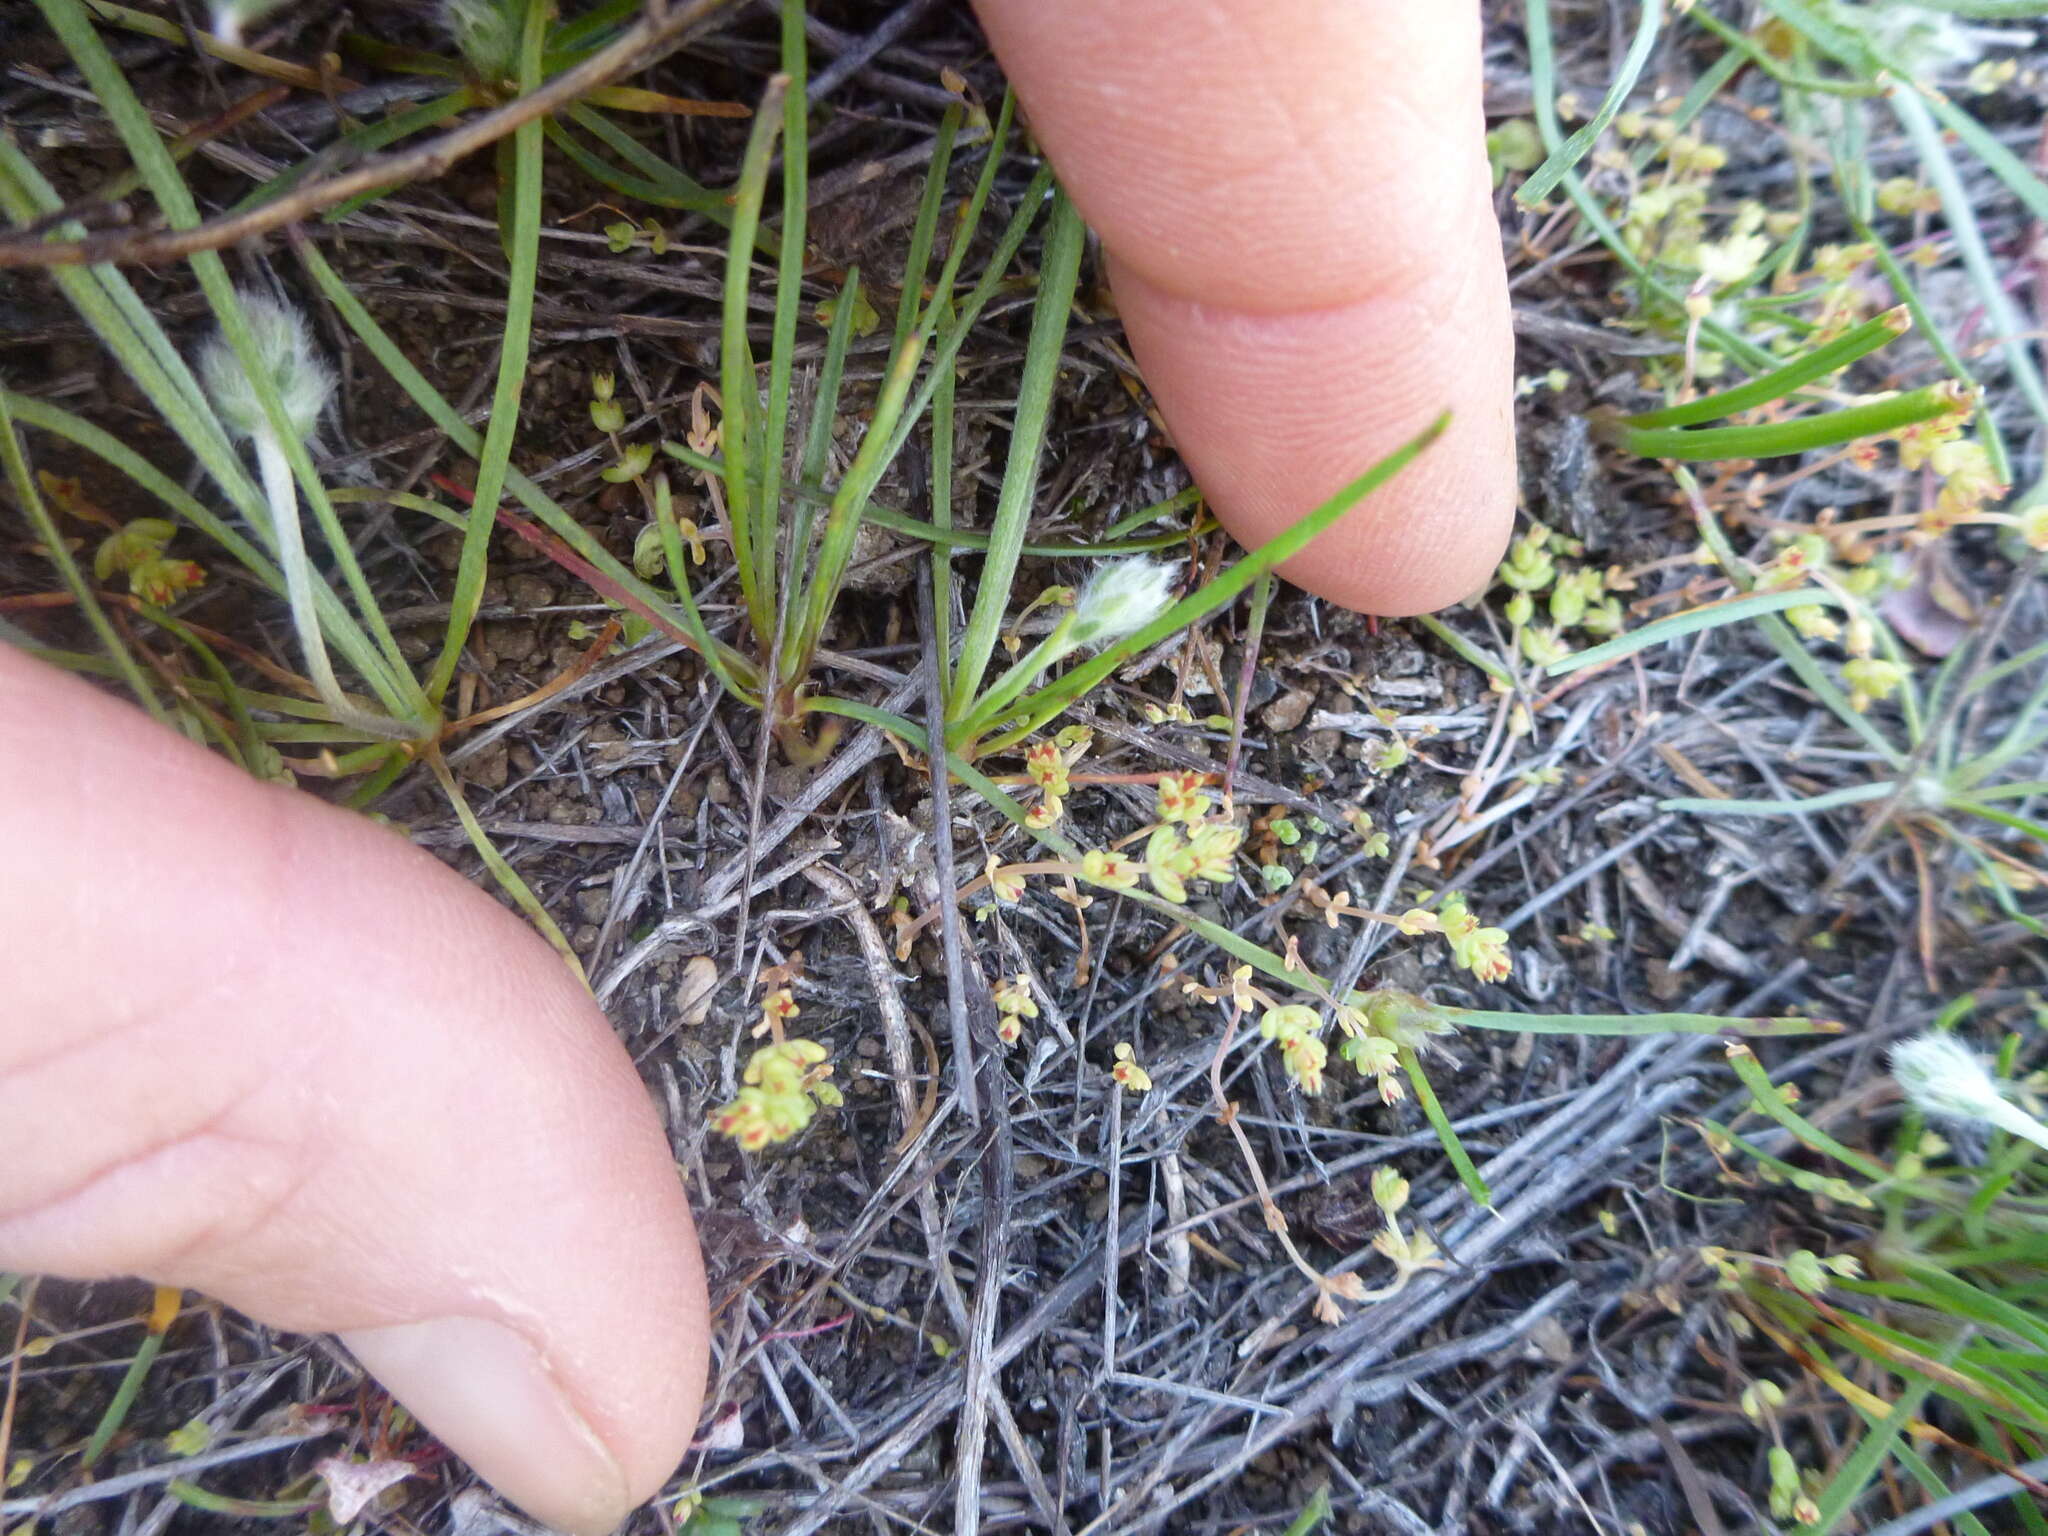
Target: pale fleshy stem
[{"x": 289, "y": 541}]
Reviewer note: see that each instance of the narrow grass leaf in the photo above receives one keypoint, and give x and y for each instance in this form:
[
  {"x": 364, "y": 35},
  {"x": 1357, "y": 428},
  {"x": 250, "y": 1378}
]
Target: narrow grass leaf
[
  {"x": 1733, "y": 610},
  {"x": 1213, "y": 596},
  {"x": 523, "y": 249},
  {"x": 1855, "y": 794},
  {"x": 1780, "y": 439},
  {"x": 1544, "y": 179},
  {"x": 1780, "y": 382},
  {"x": 1059, "y": 271},
  {"x": 30, "y": 497}
]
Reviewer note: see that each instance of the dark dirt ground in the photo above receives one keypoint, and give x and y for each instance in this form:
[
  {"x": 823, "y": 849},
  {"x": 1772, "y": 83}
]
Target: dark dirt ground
[{"x": 1570, "y": 1367}]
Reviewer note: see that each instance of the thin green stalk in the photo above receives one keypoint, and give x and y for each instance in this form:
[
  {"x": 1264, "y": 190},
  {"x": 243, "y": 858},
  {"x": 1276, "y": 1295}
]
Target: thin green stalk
[
  {"x": 739, "y": 393},
  {"x": 962, "y": 319},
  {"x": 1678, "y": 625},
  {"x": 1774, "y": 1103},
  {"x": 1484, "y": 660},
  {"x": 896, "y": 409},
  {"x": 1777, "y": 439},
  {"x": 508, "y": 878},
  {"x": 1213, "y": 596},
  {"x": 679, "y": 578},
  {"x": 2008, "y": 330},
  {"x": 1543, "y": 86},
  {"x": 1021, "y": 674},
  {"x": 111, "y": 450},
  {"x": 1741, "y": 45},
  {"x": 789, "y": 293},
  {"x": 31, "y": 498},
  {"x": 444, "y": 415},
  {"x": 949, "y": 538},
  {"x": 123, "y": 1400},
  {"x": 116, "y": 314},
  {"x": 968, "y": 217},
  {"x": 389, "y": 676},
  {"x": 1058, "y": 275},
  {"x": 288, "y": 537},
  {"x": 1779, "y": 634},
  {"x": 2019, "y": 791},
  {"x": 1780, "y": 382},
  {"x": 1446, "y": 1134},
  {"x": 1936, "y": 336},
  {"x": 523, "y": 250},
  {"x": 942, "y": 512},
  {"x": 1544, "y": 179},
  {"x": 653, "y": 179},
  {"x": 809, "y": 489},
  {"x": 1630, "y": 1024},
  {"x": 1835, "y": 799},
  {"x": 910, "y": 298}
]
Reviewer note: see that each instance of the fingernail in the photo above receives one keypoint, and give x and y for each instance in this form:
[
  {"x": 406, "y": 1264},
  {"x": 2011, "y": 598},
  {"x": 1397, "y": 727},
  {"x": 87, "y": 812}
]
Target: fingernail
[{"x": 487, "y": 1395}]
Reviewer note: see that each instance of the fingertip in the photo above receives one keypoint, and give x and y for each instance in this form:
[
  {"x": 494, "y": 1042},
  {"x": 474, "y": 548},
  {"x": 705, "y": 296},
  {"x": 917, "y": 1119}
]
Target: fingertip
[
  {"x": 1275, "y": 413},
  {"x": 308, "y": 1069}
]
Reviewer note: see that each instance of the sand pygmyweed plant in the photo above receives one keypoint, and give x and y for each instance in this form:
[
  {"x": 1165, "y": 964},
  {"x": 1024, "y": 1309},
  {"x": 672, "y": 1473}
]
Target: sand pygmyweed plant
[{"x": 785, "y": 1082}]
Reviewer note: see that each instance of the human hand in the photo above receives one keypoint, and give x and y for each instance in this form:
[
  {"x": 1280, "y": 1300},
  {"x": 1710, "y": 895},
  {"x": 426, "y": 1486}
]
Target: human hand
[{"x": 255, "y": 1046}]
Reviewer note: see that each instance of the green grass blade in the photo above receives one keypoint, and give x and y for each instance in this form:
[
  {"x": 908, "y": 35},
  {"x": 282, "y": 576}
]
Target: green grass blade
[
  {"x": 942, "y": 510},
  {"x": 968, "y": 218},
  {"x": 809, "y": 490},
  {"x": 1780, "y": 382},
  {"x": 1213, "y": 596},
  {"x": 910, "y": 298},
  {"x": 2007, "y": 328},
  {"x": 1778, "y": 439},
  {"x": 375, "y": 654},
  {"x": 444, "y": 415},
  {"x": 679, "y": 578},
  {"x": 1855, "y": 1474},
  {"x": 508, "y": 878},
  {"x": 1543, "y": 84},
  {"x": 668, "y": 188},
  {"x": 1483, "y": 659},
  {"x": 1446, "y": 1133},
  {"x": 771, "y": 448},
  {"x": 1629, "y": 1024},
  {"x": 1834, "y": 799},
  {"x": 1058, "y": 274},
  {"x": 1678, "y": 625},
  {"x": 1779, "y": 1108},
  {"x": 123, "y": 1400},
  {"x": 738, "y": 390},
  {"x": 30, "y": 496},
  {"x": 1544, "y": 179},
  {"x": 523, "y": 249},
  {"x": 1779, "y": 634}
]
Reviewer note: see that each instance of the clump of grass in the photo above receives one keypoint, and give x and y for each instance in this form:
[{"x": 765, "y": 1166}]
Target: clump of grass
[
  {"x": 1909, "y": 1350},
  {"x": 1791, "y": 294}
]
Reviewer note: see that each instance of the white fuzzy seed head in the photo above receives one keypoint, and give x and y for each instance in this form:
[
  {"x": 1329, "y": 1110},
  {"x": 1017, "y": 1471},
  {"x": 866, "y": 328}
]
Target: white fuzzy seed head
[
  {"x": 231, "y": 16},
  {"x": 486, "y": 33},
  {"x": 1942, "y": 1076},
  {"x": 285, "y": 355},
  {"x": 1121, "y": 599}
]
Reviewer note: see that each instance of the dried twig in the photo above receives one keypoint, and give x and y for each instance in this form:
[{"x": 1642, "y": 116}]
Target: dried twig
[{"x": 642, "y": 44}]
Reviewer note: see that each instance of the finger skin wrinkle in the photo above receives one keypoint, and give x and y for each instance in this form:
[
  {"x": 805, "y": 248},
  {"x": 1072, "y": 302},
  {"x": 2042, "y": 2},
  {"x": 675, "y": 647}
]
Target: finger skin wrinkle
[{"x": 202, "y": 1189}]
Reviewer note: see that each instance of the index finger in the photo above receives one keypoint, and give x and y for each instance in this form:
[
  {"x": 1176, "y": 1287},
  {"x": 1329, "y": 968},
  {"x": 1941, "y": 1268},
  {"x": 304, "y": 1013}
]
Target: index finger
[{"x": 1296, "y": 204}]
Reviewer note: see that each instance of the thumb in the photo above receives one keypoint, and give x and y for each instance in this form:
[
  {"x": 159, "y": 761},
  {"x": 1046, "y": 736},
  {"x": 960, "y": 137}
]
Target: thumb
[{"x": 256, "y": 1046}]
